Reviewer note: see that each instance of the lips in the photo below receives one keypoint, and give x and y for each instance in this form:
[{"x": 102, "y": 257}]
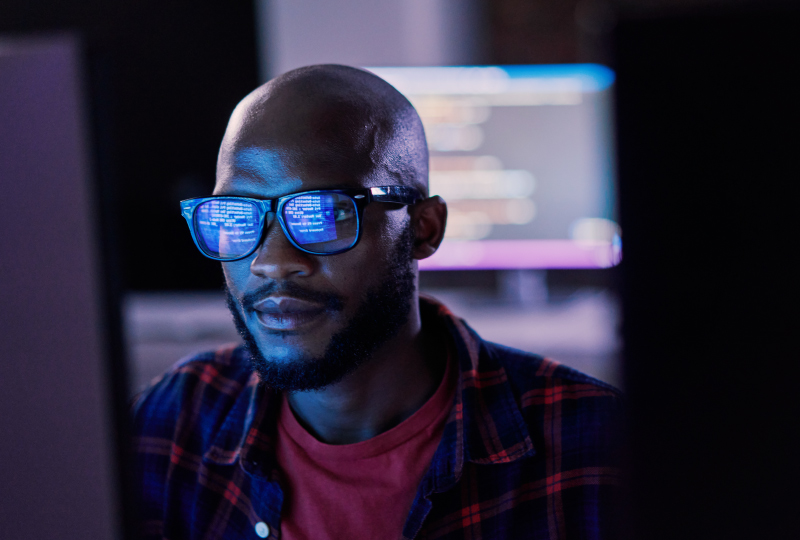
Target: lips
[{"x": 282, "y": 313}]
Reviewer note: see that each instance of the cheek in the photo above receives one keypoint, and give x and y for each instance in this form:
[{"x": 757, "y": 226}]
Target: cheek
[
  {"x": 357, "y": 271},
  {"x": 390, "y": 233},
  {"x": 236, "y": 275},
  {"x": 382, "y": 226}
]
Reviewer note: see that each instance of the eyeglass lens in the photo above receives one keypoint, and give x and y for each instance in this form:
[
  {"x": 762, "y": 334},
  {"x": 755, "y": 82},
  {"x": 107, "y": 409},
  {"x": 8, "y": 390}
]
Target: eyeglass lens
[
  {"x": 226, "y": 228},
  {"x": 319, "y": 222},
  {"x": 322, "y": 222}
]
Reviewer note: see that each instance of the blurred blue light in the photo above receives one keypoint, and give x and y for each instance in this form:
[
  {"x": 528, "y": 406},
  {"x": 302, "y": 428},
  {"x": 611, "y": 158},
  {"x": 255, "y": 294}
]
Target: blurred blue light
[{"x": 593, "y": 77}]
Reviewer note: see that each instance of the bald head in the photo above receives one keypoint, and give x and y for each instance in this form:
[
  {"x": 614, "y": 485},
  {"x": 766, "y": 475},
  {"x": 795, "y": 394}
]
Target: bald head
[{"x": 331, "y": 121}]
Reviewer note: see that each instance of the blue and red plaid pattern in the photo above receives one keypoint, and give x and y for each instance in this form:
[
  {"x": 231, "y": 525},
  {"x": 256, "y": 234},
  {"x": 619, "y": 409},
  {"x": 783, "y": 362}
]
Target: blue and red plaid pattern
[{"x": 531, "y": 450}]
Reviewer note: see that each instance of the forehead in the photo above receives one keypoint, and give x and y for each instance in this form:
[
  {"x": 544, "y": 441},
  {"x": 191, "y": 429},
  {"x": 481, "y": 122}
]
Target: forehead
[
  {"x": 267, "y": 171},
  {"x": 279, "y": 149}
]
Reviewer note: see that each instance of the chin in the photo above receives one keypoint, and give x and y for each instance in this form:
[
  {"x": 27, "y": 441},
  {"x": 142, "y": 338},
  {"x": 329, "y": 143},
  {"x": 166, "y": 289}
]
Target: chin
[{"x": 287, "y": 350}]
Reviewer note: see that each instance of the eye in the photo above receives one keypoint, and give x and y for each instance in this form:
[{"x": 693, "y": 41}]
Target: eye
[{"x": 341, "y": 214}]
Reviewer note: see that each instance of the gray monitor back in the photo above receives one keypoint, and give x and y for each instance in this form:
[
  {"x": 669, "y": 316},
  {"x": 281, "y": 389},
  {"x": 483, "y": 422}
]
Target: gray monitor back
[{"x": 56, "y": 446}]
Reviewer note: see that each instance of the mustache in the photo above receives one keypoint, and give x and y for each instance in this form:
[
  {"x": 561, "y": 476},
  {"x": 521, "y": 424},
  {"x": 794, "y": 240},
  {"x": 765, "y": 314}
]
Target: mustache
[{"x": 330, "y": 301}]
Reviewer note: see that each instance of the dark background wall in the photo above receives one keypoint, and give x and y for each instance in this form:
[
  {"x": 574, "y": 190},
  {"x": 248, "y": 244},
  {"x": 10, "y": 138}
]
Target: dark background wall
[{"x": 163, "y": 77}]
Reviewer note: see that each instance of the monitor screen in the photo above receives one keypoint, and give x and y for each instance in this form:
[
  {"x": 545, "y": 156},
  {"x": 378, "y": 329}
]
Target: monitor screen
[{"x": 523, "y": 156}]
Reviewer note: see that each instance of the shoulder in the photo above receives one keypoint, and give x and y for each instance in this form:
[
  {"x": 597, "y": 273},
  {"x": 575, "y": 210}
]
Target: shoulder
[
  {"x": 527, "y": 371},
  {"x": 586, "y": 412},
  {"x": 562, "y": 436},
  {"x": 195, "y": 394}
]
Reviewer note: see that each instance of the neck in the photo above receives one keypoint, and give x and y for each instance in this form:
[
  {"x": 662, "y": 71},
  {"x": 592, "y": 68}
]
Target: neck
[{"x": 397, "y": 380}]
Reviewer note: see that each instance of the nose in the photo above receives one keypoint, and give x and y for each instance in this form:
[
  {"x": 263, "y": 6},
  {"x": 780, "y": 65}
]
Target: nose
[{"x": 276, "y": 257}]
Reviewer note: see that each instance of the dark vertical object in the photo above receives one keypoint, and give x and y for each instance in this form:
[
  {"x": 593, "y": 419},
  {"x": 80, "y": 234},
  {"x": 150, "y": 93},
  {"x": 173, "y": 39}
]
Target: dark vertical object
[
  {"x": 708, "y": 164},
  {"x": 110, "y": 281}
]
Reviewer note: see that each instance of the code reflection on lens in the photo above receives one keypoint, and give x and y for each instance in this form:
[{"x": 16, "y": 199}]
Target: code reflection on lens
[
  {"x": 311, "y": 218},
  {"x": 227, "y": 228}
]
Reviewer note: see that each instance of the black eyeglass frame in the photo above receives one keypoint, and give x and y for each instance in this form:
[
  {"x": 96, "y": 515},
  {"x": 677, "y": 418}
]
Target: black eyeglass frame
[{"x": 404, "y": 195}]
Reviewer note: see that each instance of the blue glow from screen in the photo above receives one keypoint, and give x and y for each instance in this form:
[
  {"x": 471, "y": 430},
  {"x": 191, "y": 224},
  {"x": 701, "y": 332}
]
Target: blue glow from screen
[
  {"x": 310, "y": 218},
  {"x": 593, "y": 77}
]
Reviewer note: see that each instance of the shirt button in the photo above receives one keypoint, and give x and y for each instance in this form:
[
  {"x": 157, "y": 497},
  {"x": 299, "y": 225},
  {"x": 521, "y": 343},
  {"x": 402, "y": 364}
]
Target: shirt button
[{"x": 262, "y": 529}]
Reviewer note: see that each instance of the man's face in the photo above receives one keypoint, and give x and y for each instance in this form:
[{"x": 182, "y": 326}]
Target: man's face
[{"x": 310, "y": 320}]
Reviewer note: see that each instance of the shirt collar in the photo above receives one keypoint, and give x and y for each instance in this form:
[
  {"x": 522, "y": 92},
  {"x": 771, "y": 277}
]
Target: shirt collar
[{"x": 245, "y": 435}]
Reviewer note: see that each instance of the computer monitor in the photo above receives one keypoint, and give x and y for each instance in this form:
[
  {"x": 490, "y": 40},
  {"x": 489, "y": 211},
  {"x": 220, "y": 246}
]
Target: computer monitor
[
  {"x": 523, "y": 155},
  {"x": 60, "y": 473}
]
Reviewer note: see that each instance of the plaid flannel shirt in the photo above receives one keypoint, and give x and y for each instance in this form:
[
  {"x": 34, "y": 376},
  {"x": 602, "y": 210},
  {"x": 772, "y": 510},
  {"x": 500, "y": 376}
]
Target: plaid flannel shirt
[{"x": 530, "y": 450}]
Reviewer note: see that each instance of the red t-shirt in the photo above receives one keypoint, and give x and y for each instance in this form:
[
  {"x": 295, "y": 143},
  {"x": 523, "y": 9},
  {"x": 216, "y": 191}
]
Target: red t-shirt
[{"x": 362, "y": 490}]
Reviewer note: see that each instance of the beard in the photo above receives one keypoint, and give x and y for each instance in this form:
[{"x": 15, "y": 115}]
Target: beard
[{"x": 382, "y": 313}]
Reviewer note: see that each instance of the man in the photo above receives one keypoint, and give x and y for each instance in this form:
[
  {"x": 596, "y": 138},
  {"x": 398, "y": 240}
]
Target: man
[{"x": 356, "y": 409}]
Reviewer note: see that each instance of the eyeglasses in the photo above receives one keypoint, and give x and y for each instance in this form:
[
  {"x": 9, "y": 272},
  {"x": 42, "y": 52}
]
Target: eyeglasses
[{"x": 322, "y": 222}]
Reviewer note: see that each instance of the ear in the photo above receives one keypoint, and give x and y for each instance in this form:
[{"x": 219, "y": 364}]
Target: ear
[{"x": 428, "y": 221}]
